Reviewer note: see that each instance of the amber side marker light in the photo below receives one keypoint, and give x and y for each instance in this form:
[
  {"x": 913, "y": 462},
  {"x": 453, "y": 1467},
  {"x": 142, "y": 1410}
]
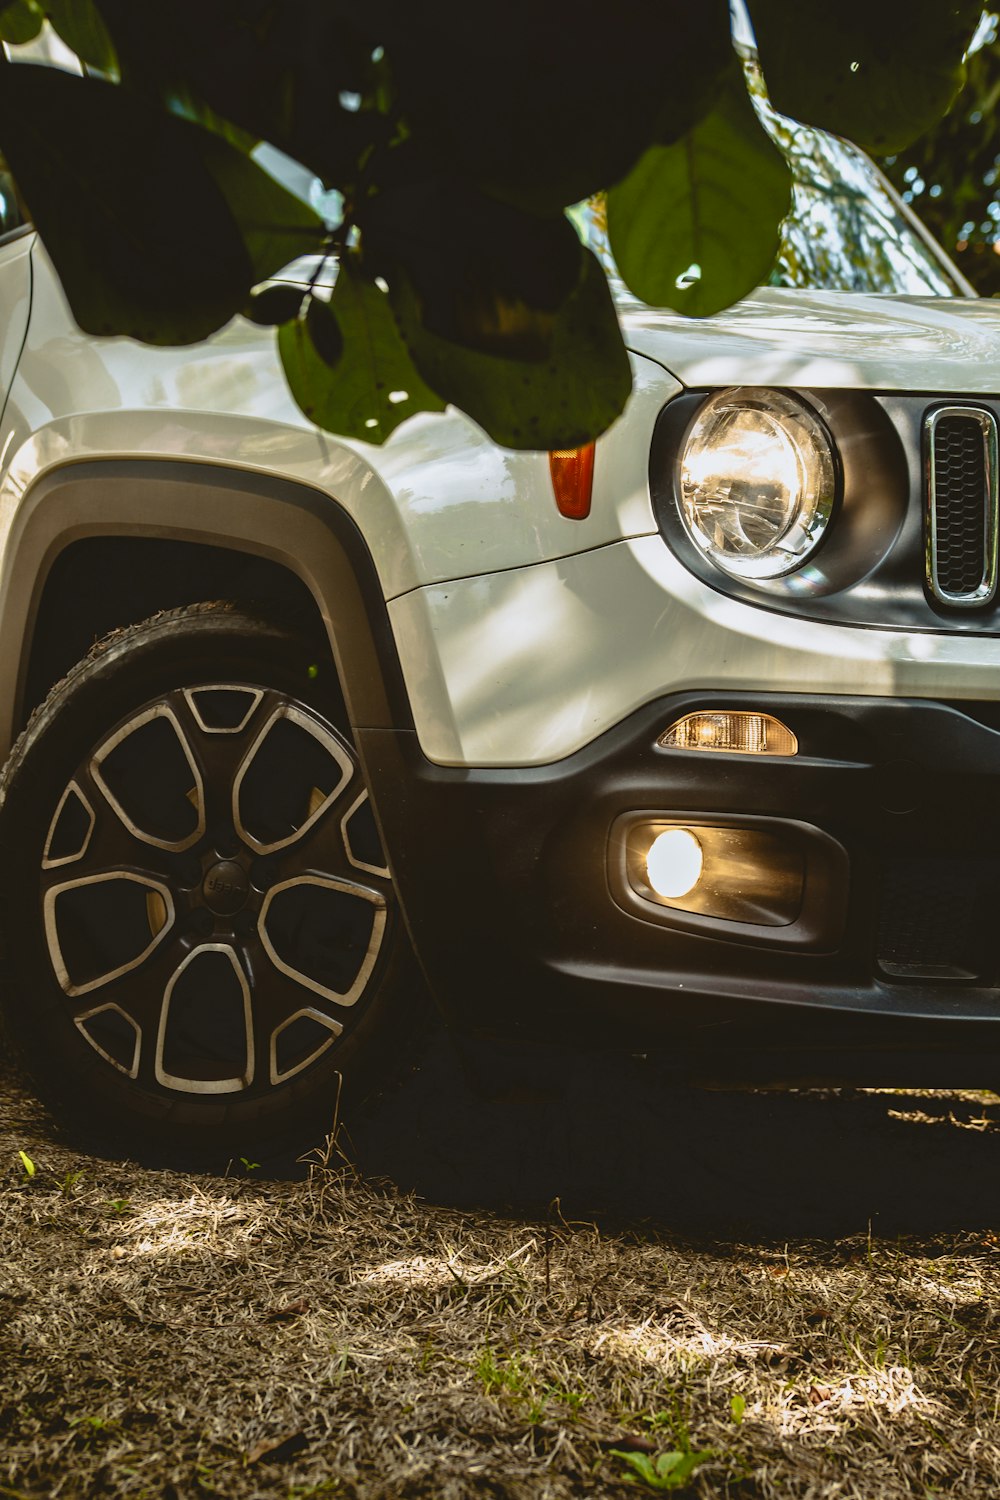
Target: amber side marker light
[
  {"x": 735, "y": 730},
  {"x": 572, "y": 471}
]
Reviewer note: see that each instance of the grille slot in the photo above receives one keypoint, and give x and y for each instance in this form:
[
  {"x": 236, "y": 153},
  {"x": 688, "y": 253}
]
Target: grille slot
[
  {"x": 936, "y": 921},
  {"x": 961, "y": 457}
]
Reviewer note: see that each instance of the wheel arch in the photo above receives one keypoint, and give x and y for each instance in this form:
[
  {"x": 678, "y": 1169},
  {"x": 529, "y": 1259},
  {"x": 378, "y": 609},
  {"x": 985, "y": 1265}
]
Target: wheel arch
[{"x": 156, "y": 529}]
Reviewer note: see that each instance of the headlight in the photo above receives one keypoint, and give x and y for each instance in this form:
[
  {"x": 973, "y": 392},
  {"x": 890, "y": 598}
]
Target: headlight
[{"x": 757, "y": 482}]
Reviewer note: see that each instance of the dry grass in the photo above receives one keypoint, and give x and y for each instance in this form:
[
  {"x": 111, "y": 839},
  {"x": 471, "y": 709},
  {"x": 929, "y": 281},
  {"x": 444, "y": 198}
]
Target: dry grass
[{"x": 167, "y": 1335}]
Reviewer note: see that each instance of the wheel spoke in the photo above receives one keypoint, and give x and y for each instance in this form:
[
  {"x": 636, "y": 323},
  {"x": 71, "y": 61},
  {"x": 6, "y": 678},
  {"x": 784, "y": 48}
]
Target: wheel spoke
[
  {"x": 217, "y": 752},
  {"x": 87, "y": 837},
  {"x": 223, "y": 708},
  {"x": 101, "y": 927},
  {"x": 112, "y": 1032},
  {"x": 292, "y": 1025},
  {"x": 205, "y": 1037},
  {"x": 121, "y": 1018},
  {"x": 148, "y": 776},
  {"x": 323, "y": 847},
  {"x": 71, "y": 829},
  {"x": 324, "y": 933},
  {"x": 291, "y": 777},
  {"x": 360, "y": 836}
]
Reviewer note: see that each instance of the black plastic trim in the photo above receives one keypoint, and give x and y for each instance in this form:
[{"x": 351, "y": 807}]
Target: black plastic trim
[
  {"x": 299, "y": 527},
  {"x": 503, "y": 874},
  {"x": 817, "y": 926}
]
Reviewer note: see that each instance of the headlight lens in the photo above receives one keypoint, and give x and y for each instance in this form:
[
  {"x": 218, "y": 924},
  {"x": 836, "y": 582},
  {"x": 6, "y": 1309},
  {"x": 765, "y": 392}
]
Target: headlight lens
[{"x": 757, "y": 482}]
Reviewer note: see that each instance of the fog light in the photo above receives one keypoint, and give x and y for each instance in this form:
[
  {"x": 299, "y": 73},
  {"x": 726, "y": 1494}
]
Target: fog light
[
  {"x": 735, "y": 877},
  {"x": 739, "y": 874},
  {"x": 674, "y": 863},
  {"x": 735, "y": 730}
]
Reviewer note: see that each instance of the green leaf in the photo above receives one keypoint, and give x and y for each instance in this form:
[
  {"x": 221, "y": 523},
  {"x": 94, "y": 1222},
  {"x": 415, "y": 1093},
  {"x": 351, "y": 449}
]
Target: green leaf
[
  {"x": 562, "y": 100},
  {"x": 79, "y": 24},
  {"x": 737, "y": 1406},
  {"x": 27, "y": 1164},
  {"x": 878, "y": 71},
  {"x": 275, "y": 225},
  {"x": 641, "y": 1463},
  {"x": 375, "y": 386},
  {"x": 274, "y": 305},
  {"x": 275, "y": 68},
  {"x": 562, "y": 401},
  {"x": 487, "y": 274},
  {"x": 675, "y": 1469},
  {"x": 695, "y": 226},
  {"x": 20, "y": 21},
  {"x": 324, "y": 330},
  {"x": 142, "y": 238},
  {"x": 667, "y": 1471}
]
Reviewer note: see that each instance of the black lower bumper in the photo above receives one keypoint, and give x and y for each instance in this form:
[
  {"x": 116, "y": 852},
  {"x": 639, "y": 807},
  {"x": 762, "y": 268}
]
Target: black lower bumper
[{"x": 506, "y": 879}]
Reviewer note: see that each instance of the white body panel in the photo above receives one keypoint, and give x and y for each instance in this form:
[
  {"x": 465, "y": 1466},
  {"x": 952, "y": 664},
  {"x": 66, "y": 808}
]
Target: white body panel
[
  {"x": 15, "y": 302},
  {"x": 525, "y": 667},
  {"x": 522, "y": 635},
  {"x": 438, "y": 500},
  {"x": 828, "y": 339}
]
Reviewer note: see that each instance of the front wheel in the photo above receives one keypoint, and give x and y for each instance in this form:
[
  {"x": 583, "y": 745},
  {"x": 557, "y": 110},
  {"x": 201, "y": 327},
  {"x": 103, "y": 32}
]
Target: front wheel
[{"x": 199, "y": 928}]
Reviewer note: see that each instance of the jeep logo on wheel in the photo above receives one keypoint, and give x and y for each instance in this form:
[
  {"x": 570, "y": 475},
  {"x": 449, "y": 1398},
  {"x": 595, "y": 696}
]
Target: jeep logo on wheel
[{"x": 225, "y": 887}]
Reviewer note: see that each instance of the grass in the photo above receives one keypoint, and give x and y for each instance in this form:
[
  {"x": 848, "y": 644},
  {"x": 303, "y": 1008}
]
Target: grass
[{"x": 171, "y": 1336}]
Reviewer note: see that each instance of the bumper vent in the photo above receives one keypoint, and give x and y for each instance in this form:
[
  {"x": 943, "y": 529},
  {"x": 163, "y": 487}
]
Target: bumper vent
[
  {"x": 961, "y": 536},
  {"x": 936, "y": 922}
]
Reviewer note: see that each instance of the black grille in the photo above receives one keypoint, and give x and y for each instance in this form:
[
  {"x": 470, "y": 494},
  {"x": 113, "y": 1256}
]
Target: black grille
[
  {"x": 962, "y": 511},
  {"x": 936, "y": 918}
]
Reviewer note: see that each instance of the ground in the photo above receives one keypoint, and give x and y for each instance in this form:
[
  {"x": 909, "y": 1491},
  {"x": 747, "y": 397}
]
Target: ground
[{"x": 795, "y": 1295}]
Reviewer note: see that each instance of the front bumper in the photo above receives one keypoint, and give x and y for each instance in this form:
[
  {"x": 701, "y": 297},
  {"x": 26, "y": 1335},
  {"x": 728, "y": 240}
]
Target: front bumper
[{"x": 506, "y": 877}]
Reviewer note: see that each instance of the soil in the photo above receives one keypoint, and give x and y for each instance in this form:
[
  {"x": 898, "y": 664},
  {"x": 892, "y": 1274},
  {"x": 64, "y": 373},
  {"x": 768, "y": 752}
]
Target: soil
[{"x": 604, "y": 1288}]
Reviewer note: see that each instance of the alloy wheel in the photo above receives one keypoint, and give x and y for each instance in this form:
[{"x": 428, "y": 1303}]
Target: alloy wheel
[{"x": 214, "y": 894}]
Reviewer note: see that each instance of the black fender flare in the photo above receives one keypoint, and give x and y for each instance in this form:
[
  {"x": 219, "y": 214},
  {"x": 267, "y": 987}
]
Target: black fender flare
[{"x": 290, "y": 523}]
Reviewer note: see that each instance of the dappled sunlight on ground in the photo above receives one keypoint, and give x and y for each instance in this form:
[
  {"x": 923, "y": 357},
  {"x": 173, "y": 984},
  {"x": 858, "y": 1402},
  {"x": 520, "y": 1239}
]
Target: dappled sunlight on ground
[{"x": 642, "y": 1273}]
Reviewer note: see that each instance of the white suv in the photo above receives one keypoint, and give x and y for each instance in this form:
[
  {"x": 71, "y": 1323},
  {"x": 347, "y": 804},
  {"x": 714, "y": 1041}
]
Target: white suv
[{"x": 692, "y": 751}]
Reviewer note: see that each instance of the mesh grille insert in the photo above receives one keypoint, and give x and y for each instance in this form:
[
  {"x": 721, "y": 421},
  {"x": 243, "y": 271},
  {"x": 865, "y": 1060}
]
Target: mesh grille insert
[
  {"x": 960, "y": 478},
  {"x": 936, "y": 918},
  {"x": 962, "y": 505}
]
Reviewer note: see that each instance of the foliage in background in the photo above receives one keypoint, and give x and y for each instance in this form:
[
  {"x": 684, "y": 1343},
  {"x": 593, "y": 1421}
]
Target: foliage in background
[
  {"x": 951, "y": 175},
  {"x": 451, "y": 138}
]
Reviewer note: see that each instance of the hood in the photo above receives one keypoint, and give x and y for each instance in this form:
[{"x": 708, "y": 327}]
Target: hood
[{"x": 792, "y": 337}]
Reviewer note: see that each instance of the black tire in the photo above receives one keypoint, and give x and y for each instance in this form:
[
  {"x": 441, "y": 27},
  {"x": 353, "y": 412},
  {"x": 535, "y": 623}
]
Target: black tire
[{"x": 192, "y": 876}]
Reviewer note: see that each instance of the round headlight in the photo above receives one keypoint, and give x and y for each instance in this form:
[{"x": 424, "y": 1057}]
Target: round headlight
[{"x": 757, "y": 482}]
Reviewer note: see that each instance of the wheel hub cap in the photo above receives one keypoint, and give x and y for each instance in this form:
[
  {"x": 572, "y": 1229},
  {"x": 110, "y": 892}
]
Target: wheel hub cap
[{"x": 225, "y": 888}]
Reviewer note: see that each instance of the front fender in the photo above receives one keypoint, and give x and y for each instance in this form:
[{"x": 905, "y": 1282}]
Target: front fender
[{"x": 293, "y": 524}]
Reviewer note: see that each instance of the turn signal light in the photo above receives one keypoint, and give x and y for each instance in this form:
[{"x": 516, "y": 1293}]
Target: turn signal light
[
  {"x": 739, "y": 732},
  {"x": 572, "y": 471}
]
